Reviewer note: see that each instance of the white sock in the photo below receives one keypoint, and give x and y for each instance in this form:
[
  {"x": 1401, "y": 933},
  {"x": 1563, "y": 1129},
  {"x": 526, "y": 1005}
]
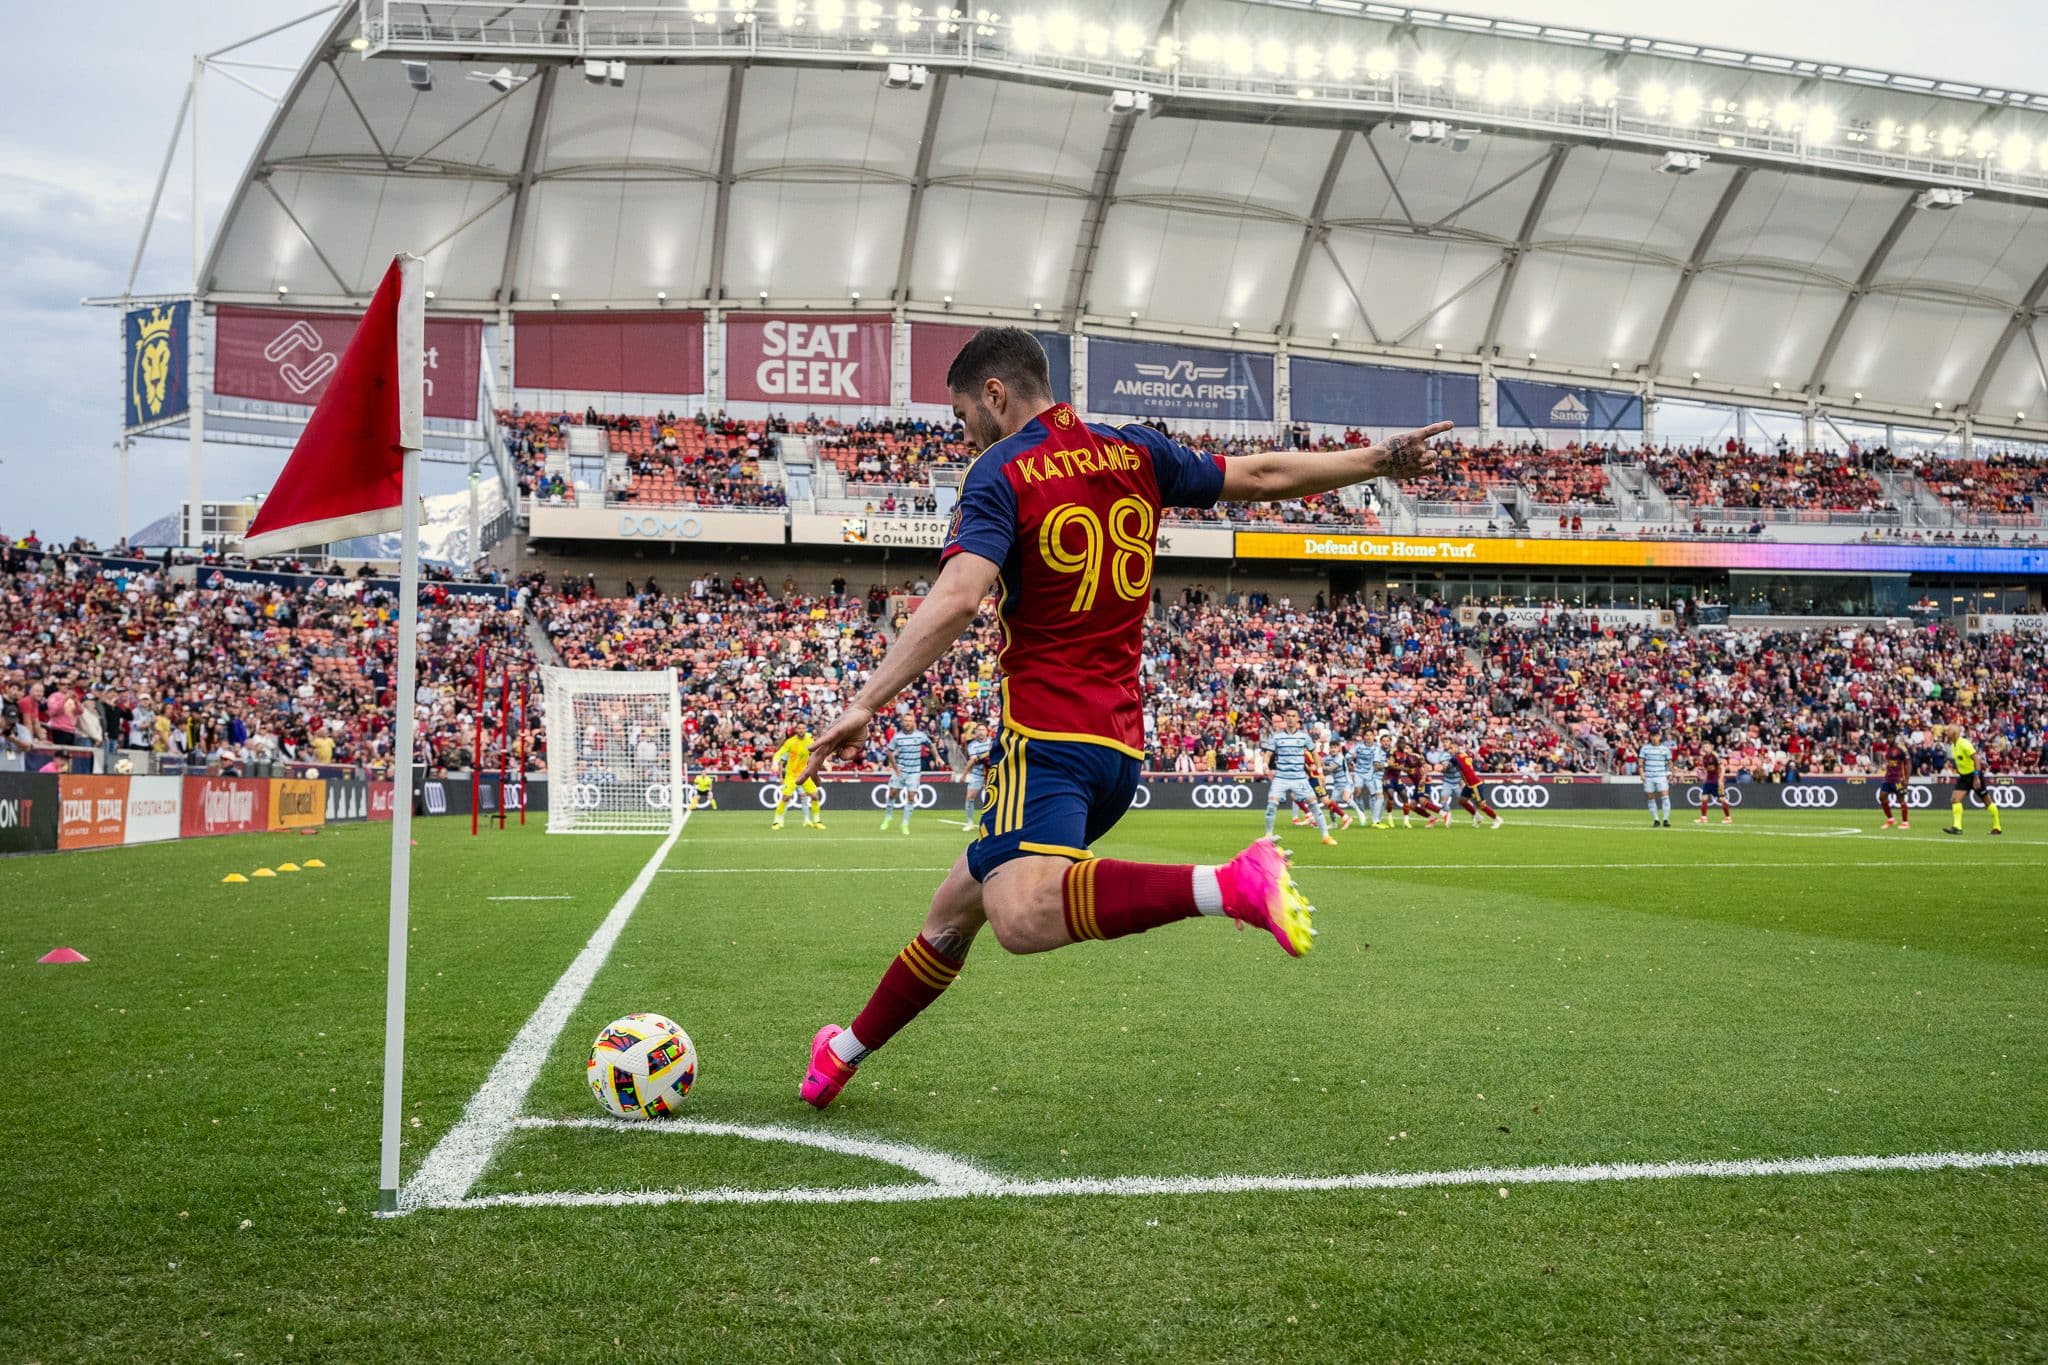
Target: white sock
[
  {"x": 1208, "y": 891},
  {"x": 847, "y": 1048}
]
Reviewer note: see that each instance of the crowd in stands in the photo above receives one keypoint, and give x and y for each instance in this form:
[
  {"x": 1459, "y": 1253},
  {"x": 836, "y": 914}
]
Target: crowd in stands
[
  {"x": 1998, "y": 484},
  {"x": 899, "y": 451},
  {"x": 110, "y": 654},
  {"x": 670, "y": 460},
  {"x": 1736, "y": 476}
]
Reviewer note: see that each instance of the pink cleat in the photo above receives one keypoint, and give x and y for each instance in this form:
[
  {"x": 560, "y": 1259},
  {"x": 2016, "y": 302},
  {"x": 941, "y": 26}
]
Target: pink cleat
[
  {"x": 1258, "y": 891},
  {"x": 828, "y": 1075}
]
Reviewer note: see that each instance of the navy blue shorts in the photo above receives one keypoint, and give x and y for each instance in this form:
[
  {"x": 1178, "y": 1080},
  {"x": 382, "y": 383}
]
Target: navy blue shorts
[
  {"x": 1892, "y": 789},
  {"x": 1049, "y": 796},
  {"x": 1710, "y": 791}
]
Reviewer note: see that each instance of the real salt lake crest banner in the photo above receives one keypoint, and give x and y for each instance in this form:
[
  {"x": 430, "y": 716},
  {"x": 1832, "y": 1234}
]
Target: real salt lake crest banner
[
  {"x": 1154, "y": 379},
  {"x": 1527, "y": 404},
  {"x": 810, "y": 360},
  {"x": 154, "y": 354}
]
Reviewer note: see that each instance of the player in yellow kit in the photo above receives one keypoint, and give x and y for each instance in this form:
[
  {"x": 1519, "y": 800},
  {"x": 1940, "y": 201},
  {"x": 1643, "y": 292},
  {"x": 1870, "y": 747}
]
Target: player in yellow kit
[
  {"x": 791, "y": 758},
  {"x": 1969, "y": 778}
]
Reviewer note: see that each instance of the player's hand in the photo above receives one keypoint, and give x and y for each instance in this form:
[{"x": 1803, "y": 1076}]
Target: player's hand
[
  {"x": 847, "y": 730},
  {"x": 1409, "y": 455}
]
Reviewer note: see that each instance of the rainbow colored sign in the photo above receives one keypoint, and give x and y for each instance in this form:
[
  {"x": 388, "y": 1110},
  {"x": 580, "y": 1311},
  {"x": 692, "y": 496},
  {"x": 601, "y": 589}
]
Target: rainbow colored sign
[{"x": 1768, "y": 556}]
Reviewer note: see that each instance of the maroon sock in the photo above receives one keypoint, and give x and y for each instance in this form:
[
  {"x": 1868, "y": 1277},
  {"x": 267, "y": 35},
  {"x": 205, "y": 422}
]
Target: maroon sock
[
  {"x": 1107, "y": 898},
  {"x": 1491, "y": 813},
  {"x": 1466, "y": 802},
  {"x": 918, "y": 976}
]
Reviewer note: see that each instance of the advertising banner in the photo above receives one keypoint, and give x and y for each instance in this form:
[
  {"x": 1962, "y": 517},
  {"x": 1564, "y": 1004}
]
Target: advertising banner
[
  {"x": 1341, "y": 394},
  {"x": 1604, "y": 618},
  {"x": 155, "y": 351},
  {"x": 382, "y": 800},
  {"x": 2000, "y": 623},
  {"x": 277, "y": 356},
  {"x": 1642, "y": 554},
  {"x": 917, "y": 533},
  {"x": 808, "y": 360},
  {"x": 1156, "y": 379},
  {"x": 155, "y": 805},
  {"x": 1592, "y": 411},
  {"x": 1196, "y": 542},
  {"x": 934, "y": 344},
  {"x": 654, "y": 353},
  {"x": 28, "y": 813},
  {"x": 660, "y": 524},
  {"x": 224, "y": 805},
  {"x": 296, "y": 803},
  {"x": 93, "y": 811}
]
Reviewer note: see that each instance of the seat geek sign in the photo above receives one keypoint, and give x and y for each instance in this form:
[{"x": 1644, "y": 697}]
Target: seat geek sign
[{"x": 829, "y": 361}]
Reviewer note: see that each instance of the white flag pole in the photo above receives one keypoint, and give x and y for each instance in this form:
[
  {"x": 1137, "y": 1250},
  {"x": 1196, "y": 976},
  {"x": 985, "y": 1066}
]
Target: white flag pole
[{"x": 412, "y": 345}]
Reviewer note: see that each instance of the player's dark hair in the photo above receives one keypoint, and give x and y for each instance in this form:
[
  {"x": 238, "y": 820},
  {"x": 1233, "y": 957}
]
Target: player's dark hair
[{"x": 1010, "y": 354}]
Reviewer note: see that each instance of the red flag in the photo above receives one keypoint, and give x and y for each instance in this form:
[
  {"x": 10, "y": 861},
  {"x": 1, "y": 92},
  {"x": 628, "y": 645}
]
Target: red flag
[{"x": 345, "y": 476}]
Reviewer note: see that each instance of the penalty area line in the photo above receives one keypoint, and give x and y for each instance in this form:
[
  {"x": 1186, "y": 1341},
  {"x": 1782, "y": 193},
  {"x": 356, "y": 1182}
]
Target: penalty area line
[
  {"x": 1134, "y": 1186},
  {"x": 451, "y": 1169}
]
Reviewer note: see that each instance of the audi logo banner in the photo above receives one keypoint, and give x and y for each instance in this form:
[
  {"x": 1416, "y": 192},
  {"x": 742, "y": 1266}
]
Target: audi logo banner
[
  {"x": 1810, "y": 796},
  {"x": 1519, "y": 796}
]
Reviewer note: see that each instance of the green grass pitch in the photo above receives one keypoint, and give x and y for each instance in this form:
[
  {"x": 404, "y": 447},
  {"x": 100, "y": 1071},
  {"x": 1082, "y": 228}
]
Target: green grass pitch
[{"x": 188, "y": 1125}]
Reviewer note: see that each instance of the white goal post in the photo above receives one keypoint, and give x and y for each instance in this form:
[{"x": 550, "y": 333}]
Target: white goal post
[{"x": 615, "y": 751}]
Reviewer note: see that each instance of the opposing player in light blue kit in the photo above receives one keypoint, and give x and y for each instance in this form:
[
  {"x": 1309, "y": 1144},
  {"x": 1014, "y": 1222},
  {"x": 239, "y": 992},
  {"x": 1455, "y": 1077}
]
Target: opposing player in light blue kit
[
  {"x": 1290, "y": 746},
  {"x": 1655, "y": 759},
  {"x": 976, "y": 777},
  {"x": 906, "y": 771},
  {"x": 1374, "y": 757},
  {"x": 1439, "y": 760},
  {"x": 1351, "y": 773}
]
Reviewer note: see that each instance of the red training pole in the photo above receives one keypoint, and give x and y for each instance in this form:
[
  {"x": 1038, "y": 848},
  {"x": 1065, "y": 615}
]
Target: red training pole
[
  {"x": 476, "y": 765},
  {"x": 504, "y": 743},
  {"x": 522, "y": 749}
]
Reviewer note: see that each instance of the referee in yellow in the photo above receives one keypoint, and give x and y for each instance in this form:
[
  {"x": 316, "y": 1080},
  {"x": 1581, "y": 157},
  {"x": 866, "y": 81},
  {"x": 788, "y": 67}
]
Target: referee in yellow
[
  {"x": 1969, "y": 778},
  {"x": 791, "y": 758}
]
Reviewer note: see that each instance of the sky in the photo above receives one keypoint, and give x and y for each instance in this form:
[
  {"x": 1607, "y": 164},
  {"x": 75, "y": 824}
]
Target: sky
[{"x": 84, "y": 123}]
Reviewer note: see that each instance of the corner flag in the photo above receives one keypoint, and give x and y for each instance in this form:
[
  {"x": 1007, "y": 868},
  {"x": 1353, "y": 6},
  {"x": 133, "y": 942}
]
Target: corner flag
[{"x": 354, "y": 472}]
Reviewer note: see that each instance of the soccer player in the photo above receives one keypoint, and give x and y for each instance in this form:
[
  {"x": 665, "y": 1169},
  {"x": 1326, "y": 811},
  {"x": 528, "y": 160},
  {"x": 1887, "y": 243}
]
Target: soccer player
[
  {"x": 1375, "y": 757},
  {"x": 906, "y": 770},
  {"x": 1468, "y": 788},
  {"x": 1415, "y": 787},
  {"x": 1711, "y": 787},
  {"x": 1655, "y": 760},
  {"x": 1439, "y": 760},
  {"x": 976, "y": 776},
  {"x": 1065, "y": 515},
  {"x": 1291, "y": 747},
  {"x": 1969, "y": 778},
  {"x": 1398, "y": 795},
  {"x": 1897, "y": 784},
  {"x": 790, "y": 760}
]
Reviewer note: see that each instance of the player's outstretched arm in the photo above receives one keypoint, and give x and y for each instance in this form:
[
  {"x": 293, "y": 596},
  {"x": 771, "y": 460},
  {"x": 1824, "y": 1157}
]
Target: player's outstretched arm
[
  {"x": 946, "y": 611},
  {"x": 1277, "y": 475}
]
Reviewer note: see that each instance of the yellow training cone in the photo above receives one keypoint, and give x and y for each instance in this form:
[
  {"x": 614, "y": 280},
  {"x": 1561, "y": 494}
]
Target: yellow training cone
[
  {"x": 287, "y": 867},
  {"x": 233, "y": 877},
  {"x": 263, "y": 872},
  {"x": 314, "y": 862}
]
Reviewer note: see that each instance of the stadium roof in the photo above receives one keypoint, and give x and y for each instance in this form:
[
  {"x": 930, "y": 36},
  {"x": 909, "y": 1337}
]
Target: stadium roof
[{"x": 1276, "y": 191}]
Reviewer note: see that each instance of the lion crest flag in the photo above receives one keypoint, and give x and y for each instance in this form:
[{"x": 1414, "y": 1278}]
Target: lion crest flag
[{"x": 345, "y": 475}]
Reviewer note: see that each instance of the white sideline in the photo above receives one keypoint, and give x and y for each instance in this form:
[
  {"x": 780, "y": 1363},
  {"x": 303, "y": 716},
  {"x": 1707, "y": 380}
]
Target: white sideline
[
  {"x": 1312, "y": 868},
  {"x": 455, "y": 1162},
  {"x": 993, "y": 1187}
]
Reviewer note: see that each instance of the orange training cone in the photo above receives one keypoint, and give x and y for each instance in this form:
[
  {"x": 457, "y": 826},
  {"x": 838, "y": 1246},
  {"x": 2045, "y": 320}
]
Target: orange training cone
[{"x": 57, "y": 955}]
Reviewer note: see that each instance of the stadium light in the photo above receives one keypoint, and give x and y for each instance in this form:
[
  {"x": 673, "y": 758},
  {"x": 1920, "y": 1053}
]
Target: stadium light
[
  {"x": 359, "y": 44},
  {"x": 1333, "y": 337},
  {"x": 661, "y": 296},
  {"x": 1205, "y": 48},
  {"x": 1500, "y": 83},
  {"x": 1037, "y": 307},
  {"x": 1604, "y": 91},
  {"x": 1951, "y": 142},
  {"x": 1062, "y": 31},
  {"x": 831, "y": 15},
  {"x": 906, "y": 18},
  {"x": 949, "y": 300},
  {"x": 1695, "y": 376},
  {"x": 1787, "y": 115},
  {"x": 1024, "y": 34},
  {"x": 1535, "y": 85},
  {"x": 1168, "y": 54},
  {"x": 1570, "y": 86},
  {"x": 1755, "y": 112},
  {"x": 1887, "y": 134},
  {"x": 1856, "y": 397},
  {"x": 1917, "y": 140},
  {"x": 764, "y": 296},
  {"x": 554, "y": 298},
  {"x": 1095, "y": 40},
  {"x": 2017, "y": 152},
  {"x": 1981, "y": 143},
  {"x": 283, "y": 289},
  {"x": 856, "y": 296},
  {"x": 1273, "y": 56},
  {"x": 1820, "y": 124},
  {"x": 1130, "y": 40},
  {"x": 430, "y": 296},
  {"x": 1429, "y": 68},
  {"x": 789, "y": 13},
  {"x": 1654, "y": 98},
  {"x": 1467, "y": 79},
  {"x": 1303, "y": 92},
  {"x": 1308, "y": 60},
  {"x": 1344, "y": 64},
  {"x": 1379, "y": 63},
  {"x": 1685, "y": 106}
]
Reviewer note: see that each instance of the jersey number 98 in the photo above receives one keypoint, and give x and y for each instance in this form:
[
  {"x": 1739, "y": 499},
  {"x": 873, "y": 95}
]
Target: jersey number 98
[{"x": 1073, "y": 540}]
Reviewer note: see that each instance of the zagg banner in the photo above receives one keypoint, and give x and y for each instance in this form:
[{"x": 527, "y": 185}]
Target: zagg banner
[
  {"x": 224, "y": 805},
  {"x": 93, "y": 811},
  {"x": 817, "y": 361},
  {"x": 1149, "y": 379},
  {"x": 154, "y": 807},
  {"x": 296, "y": 803},
  {"x": 654, "y": 353},
  {"x": 275, "y": 356}
]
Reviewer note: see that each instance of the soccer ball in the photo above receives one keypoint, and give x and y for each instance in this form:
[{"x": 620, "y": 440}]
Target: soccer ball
[
  {"x": 123, "y": 768},
  {"x": 641, "y": 1066}
]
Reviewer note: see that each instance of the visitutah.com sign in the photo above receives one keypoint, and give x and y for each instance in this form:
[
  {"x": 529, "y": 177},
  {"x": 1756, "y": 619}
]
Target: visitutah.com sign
[{"x": 809, "y": 361}]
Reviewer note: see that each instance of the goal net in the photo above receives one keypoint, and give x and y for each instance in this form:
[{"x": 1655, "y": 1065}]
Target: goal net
[{"x": 615, "y": 751}]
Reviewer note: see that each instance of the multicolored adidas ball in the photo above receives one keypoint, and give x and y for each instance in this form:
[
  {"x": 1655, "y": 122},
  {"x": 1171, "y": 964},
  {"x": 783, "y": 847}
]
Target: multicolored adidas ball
[{"x": 641, "y": 1066}]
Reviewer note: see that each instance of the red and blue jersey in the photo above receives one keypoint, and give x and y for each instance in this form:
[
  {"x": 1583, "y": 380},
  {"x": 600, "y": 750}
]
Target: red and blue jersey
[{"x": 1070, "y": 510}]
